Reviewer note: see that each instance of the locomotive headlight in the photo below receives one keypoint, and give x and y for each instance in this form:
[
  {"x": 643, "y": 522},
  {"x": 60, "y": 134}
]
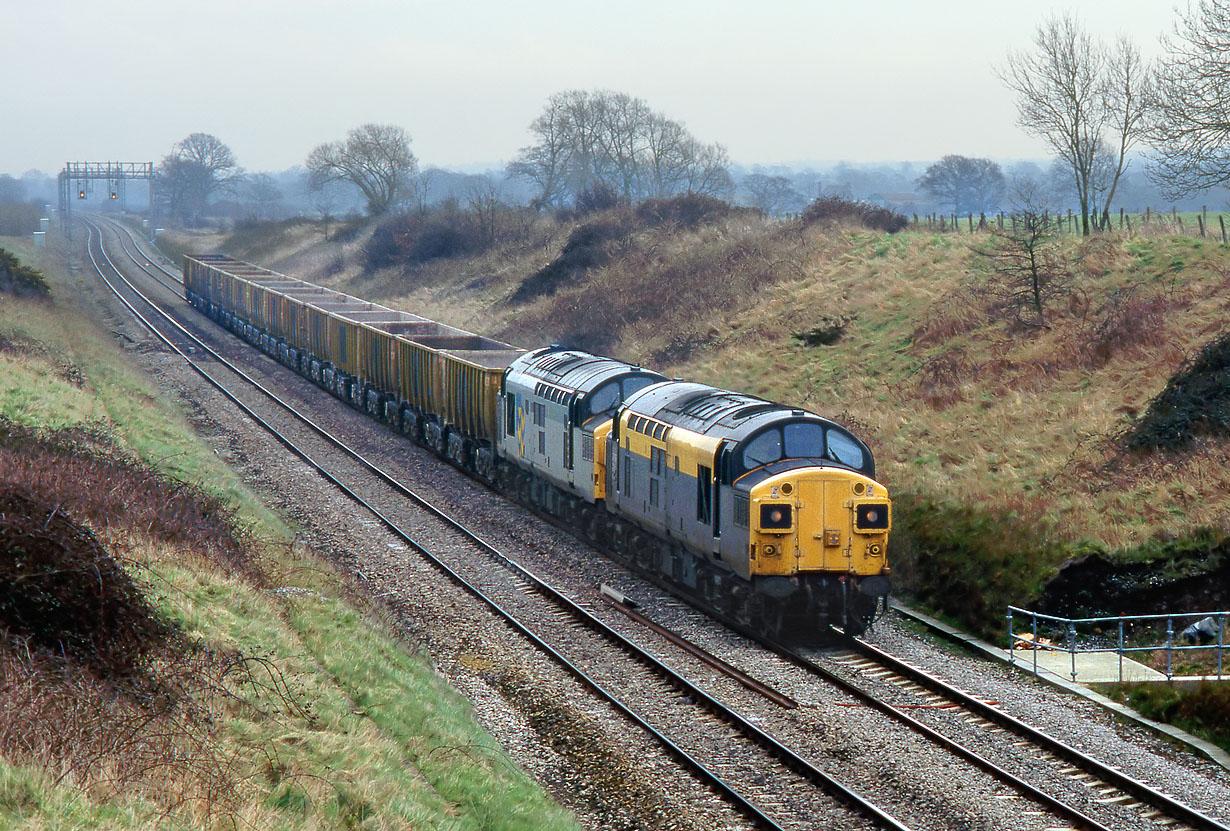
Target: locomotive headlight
[
  {"x": 871, "y": 517},
  {"x": 775, "y": 516}
]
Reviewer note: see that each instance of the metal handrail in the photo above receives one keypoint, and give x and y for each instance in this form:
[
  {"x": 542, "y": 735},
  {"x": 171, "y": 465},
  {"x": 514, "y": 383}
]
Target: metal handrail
[{"x": 1069, "y": 627}]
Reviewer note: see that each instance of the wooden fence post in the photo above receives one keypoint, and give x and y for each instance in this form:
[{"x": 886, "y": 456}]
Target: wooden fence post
[
  {"x": 1222, "y": 220},
  {"x": 1121, "y": 219},
  {"x": 1129, "y": 223},
  {"x": 1146, "y": 214},
  {"x": 1200, "y": 219}
]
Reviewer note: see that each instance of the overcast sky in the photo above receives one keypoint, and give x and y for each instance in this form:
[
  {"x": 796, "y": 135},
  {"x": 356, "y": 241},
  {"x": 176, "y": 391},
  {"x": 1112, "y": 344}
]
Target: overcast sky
[{"x": 775, "y": 81}]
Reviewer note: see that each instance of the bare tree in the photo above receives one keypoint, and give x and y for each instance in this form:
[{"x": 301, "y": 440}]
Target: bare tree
[
  {"x": 375, "y": 158},
  {"x": 1189, "y": 113},
  {"x": 707, "y": 171},
  {"x": 483, "y": 198},
  {"x": 612, "y": 139},
  {"x": 265, "y": 194},
  {"x": 772, "y": 194},
  {"x": 970, "y": 185},
  {"x": 1126, "y": 91},
  {"x": 196, "y": 168},
  {"x": 1025, "y": 264},
  {"x": 1071, "y": 92},
  {"x": 546, "y": 164}
]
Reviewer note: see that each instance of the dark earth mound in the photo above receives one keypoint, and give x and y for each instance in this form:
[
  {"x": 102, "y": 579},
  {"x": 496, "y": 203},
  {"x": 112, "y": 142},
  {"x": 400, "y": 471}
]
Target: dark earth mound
[
  {"x": 1186, "y": 575},
  {"x": 1195, "y": 402}
]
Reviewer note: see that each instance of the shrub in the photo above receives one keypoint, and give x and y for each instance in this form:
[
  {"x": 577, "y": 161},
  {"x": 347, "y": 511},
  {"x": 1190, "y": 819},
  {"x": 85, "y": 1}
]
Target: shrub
[
  {"x": 68, "y": 595},
  {"x": 589, "y": 246},
  {"x": 407, "y": 240},
  {"x": 968, "y": 563},
  {"x": 82, "y": 471},
  {"x": 596, "y": 198},
  {"x": 20, "y": 280},
  {"x": 1123, "y": 323},
  {"x": 834, "y": 210},
  {"x": 390, "y": 243},
  {"x": 685, "y": 211}
]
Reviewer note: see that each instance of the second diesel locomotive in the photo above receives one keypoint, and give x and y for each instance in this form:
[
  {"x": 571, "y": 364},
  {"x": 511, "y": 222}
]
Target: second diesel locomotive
[{"x": 766, "y": 514}]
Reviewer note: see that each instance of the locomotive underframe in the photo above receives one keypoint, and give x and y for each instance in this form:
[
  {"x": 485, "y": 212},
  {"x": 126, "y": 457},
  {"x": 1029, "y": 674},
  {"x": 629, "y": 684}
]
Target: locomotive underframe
[{"x": 799, "y": 608}]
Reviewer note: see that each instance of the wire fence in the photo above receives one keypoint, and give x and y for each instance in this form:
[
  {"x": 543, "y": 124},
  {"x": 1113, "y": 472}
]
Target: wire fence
[
  {"x": 1191, "y": 223},
  {"x": 1186, "y": 643}
]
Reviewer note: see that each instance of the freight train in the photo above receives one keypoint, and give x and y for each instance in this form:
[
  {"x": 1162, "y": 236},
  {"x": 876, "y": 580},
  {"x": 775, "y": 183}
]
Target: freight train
[{"x": 765, "y": 514}]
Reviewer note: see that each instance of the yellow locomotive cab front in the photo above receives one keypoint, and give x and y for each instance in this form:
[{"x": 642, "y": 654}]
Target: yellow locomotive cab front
[{"x": 819, "y": 520}]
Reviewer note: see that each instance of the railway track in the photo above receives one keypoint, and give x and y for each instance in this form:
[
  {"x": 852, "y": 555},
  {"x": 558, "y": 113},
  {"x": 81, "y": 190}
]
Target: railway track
[
  {"x": 786, "y": 790},
  {"x": 906, "y": 686},
  {"x": 766, "y": 801}
]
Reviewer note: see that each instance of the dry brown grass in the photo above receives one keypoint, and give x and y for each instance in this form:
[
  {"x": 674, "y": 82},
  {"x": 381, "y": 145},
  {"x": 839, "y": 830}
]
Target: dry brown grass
[
  {"x": 97, "y": 689},
  {"x": 113, "y": 742},
  {"x": 956, "y": 404},
  {"x": 84, "y": 473}
]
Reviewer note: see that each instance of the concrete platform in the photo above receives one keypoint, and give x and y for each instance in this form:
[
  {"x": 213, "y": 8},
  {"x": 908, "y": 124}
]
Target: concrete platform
[{"x": 1084, "y": 667}]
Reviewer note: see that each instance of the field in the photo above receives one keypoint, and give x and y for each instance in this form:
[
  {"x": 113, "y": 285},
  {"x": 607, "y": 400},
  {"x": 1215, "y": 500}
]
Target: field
[{"x": 181, "y": 660}]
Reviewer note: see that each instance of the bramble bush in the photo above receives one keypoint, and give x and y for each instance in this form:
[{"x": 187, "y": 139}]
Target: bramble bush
[
  {"x": 19, "y": 279},
  {"x": 833, "y": 210}
]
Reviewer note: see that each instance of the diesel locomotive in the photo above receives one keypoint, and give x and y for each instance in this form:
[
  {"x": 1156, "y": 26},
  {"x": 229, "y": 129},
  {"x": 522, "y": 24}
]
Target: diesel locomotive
[{"x": 766, "y": 514}]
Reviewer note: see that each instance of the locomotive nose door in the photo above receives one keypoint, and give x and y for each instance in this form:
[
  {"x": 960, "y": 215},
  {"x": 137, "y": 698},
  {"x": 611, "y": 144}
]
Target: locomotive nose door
[
  {"x": 810, "y": 547},
  {"x": 824, "y": 543}
]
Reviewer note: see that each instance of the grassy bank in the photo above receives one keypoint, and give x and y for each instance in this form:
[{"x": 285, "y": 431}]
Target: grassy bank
[
  {"x": 1001, "y": 434},
  {"x": 274, "y": 698},
  {"x": 1203, "y": 711}
]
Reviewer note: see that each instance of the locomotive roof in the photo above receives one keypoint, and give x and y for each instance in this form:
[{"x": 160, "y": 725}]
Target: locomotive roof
[
  {"x": 575, "y": 370},
  {"x": 704, "y": 409}
]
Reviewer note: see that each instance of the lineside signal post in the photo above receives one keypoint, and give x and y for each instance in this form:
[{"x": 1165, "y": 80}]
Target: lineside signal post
[{"x": 77, "y": 182}]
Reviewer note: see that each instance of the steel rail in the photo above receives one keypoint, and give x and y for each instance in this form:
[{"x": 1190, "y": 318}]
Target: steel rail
[
  {"x": 1088, "y": 763},
  {"x": 987, "y": 766},
  {"x": 1128, "y": 784},
  {"x": 787, "y": 756},
  {"x": 703, "y": 655}
]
